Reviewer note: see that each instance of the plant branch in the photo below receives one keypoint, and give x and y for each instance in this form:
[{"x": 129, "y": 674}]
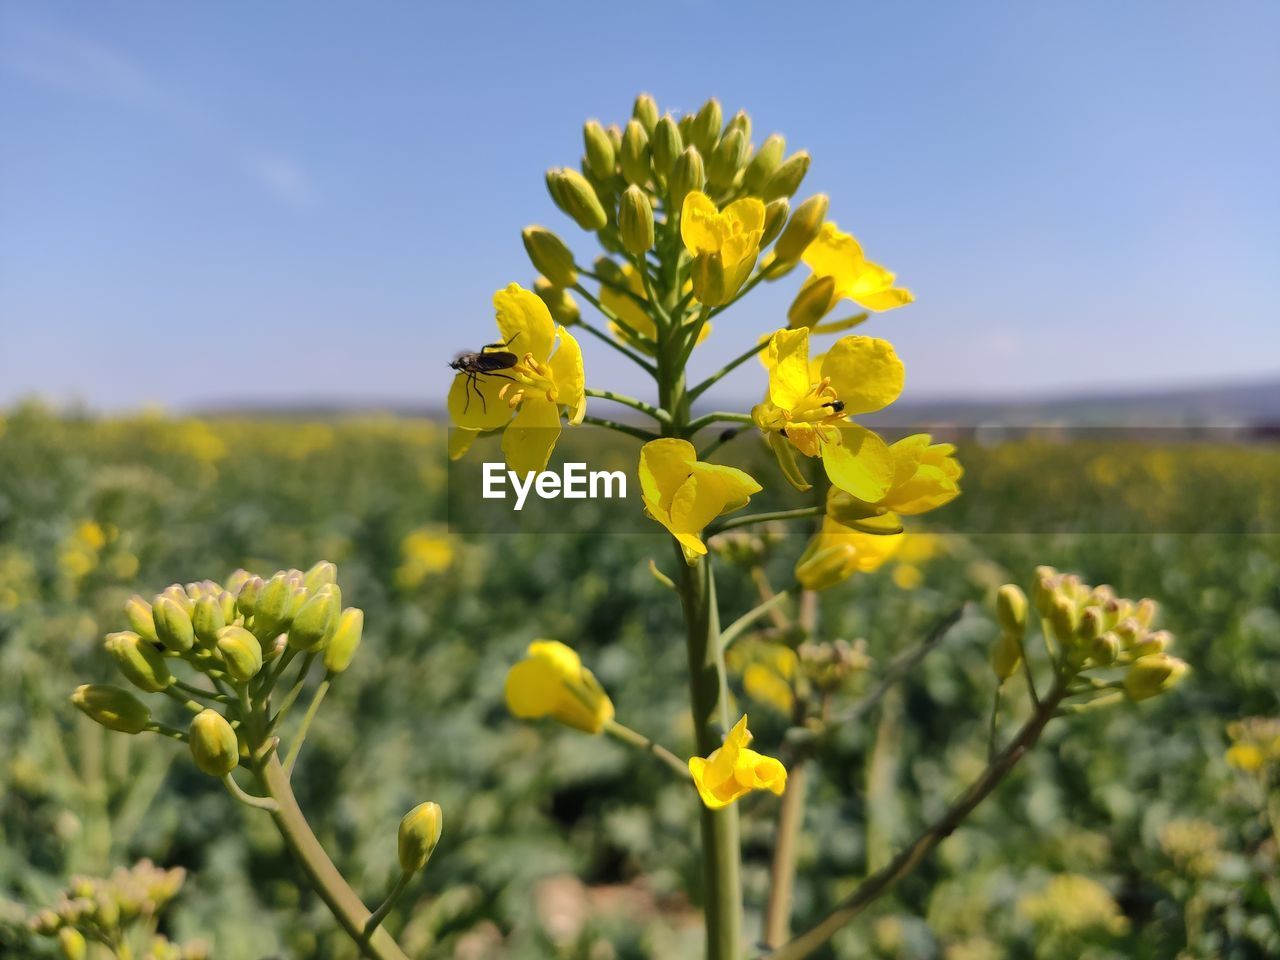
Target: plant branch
[
  {"x": 660, "y": 415},
  {"x": 727, "y": 369},
  {"x": 298, "y": 738},
  {"x": 638, "y": 432},
  {"x": 636, "y": 739},
  {"x": 752, "y": 518},
  {"x": 605, "y": 338},
  {"x": 731, "y": 632},
  {"x": 718, "y": 416}
]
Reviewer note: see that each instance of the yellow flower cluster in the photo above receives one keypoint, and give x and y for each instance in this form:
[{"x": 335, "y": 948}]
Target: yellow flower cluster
[{"x": 1255, "y": 744}]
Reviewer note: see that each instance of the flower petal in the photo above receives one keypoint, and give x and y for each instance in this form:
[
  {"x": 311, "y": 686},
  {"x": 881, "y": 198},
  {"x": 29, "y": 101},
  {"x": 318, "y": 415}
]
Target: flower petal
[
  {"x": 528, "y": 441},
  {"x": 787, "y": 359},
  {"x": 698, "y": 224},
  {"x": 524, "y": 322},
  {"x": 570, "y": 380},
  {"x": 475, "y": 404},
  {"x": 860, "y": 463},
  {"x": 865, "y": 372},
  {"x": 665, "y": 465}
]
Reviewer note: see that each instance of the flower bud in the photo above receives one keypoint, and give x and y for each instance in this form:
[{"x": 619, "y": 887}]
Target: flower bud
[
  {"x": 688, "y": 176},
  {"x": 635, "y": 221},
  {"x": 179, "y": 596},
  {"x": 710, "y": 282},
  {"x": 550, "y": 257},
  {"x": 1130, "y": 631},
  {"x": 803, "y": 229},
  {"x": 1006, "y": 655},
  {"x": 1151, "y": 676},
  {"x": 786, "y": 180},
  {"x": 419, "y": 833},
  {"x": 241, "y": 652},
  {"x": 271, "y": 613},
  {"x": 248, "y": 594},
  {"x": 71, "y": 944},
  {"x": 814, "y": 300},
  {"x": 599, "y": 150},
  {"x": 207, "y": 619},
  {"x": 564, "y": 310},
  {"x": 1044, "y": 589},
  {"x": 1011, "y": 609},
  {"x": 227, "y": 602},
  {"x": 1152, "y": 643},
  {"x": 645, "y": 110},
  {"x": 139, "y": 661},
  {"x": 741, "y": 121},
  {"x": 1105, "y": 649},
  {"x": 323, "y": 572},
  {"x": 113, "y": 707},
  {"x": 173, "y": 624},
  {"x": 818, "y": 569},
  {"x": 608, "y": 270},
  {"x": 237, "y": 580},
  {"x": 1147, "y": 611},
  {"x": 317, "y": 618},
  {"x": 341, "y": 648},
  {"x": 665, "y": 146},
  {"x": 775, "y": 218},
  {"x": 1062, "y": 615},
  {"x": 725, "y": 159},
  {"x": 763, "y": 164},
  {"x": 213, "y": 743},
  {"x": 576, "y": 197},
  {"x": 634, "y": 155},
  {"x": 138, "y": 612},
  {"x": 1090, "y": 626}
]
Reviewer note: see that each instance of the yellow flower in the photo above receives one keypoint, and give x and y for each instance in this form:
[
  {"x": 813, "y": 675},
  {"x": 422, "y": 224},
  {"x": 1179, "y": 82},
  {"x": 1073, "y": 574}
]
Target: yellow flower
[
  {"x": 525, "y": 399},
  {"x": 768, "y": 677},
  {"x": 423, "y": 552},
  {"x": 685, "y": 495},
  {"x": 808, "y": 410},
  {"x": 733, "y": 770},
  {"x": 837, "y": 552},
  {"x": 925, "y": 475},
  {"x": 1246, "y": 756},
  {"x": 632, "y": 314},
  {"x": 724, "y": 244},
  {"x": 838, "y": 255},
  {"x": 552, "y": 682}
]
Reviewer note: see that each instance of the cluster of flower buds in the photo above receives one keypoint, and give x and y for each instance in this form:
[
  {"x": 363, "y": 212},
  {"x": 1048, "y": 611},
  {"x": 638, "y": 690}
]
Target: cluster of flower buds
[
  {"x": 105, "y": 910},
  {"x": 229, "y": 633},
  {"x": 829, "y": 667},
  {"x": 1091, "y": 629}
]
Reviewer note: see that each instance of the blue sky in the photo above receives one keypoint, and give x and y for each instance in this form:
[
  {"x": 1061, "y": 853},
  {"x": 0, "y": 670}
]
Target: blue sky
[{"x": 317, "y": 200}]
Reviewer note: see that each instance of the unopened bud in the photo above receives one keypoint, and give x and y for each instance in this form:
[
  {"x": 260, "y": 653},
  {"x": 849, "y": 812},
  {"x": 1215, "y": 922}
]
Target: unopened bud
[
  {"x": 1062, "y": 615},
  {"x": 635, "y": 221},
  {"x": 1151, "y": 676},
  {"x": 323, "y": 572},
  {"x": 704, "y": 132},
  {"x": 775, "y": 218},
  {"x": 786, "y": 180},
  {"x": 248, "y": 594},
  {"x": 213, "y": 744},
  {"x": 179, "y": 596},
  {"x": 688, "y": 176},
  {"x": 634, "y": 155},
  {"x": 564, "y": 310},
  {"x": 814, "y": 300},
  {"x": 550, "y": 257},
  {"x": 1044, "y": 589},
  {"x": 1090, "y": 626},
  {"x": 419, "y": 833},
  {"x": 314, "y": 622},
  {"x": 1006, "y": 655},
  {"x": 207, "y": 619},
  {"x": 711, "y": 284},
  {"x": 645, "y": 110},
  {"x": 1157, "y": 642},
  {"x": 576, "y": 197},
  {"x": 241, "y": 652},
  {"x": 113, "y": 707},
  {"x": 173, "y": 624},
  {"x": 1011, "y": 609},
  {"x": 236, "y": 580},
  {"x": 1130, "y": 631},
  {"x": 740, "y": 121},
  {"x": 802, "y": 230},
  {"x": 763, "y": 164},
  {"x": 725, "y": 159},
  {"x": 271, "y": 612},
  {"x": 600, "y": 158},
  {"x": 1105, "y": 649},
  {"x": 71, "y": 944},
  {"x": 818, "y": 569},
  {"x": 342, "y": 646},
  {"x": 1147, "y": 611},
  {"x": 138, "y": 612},
  {"x": 140, "y": 662},
  {"x": 664, "y": 147}
]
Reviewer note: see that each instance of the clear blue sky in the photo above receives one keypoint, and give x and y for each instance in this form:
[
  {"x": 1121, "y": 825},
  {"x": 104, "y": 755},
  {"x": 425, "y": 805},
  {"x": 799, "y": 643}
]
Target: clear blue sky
[{"x": 318, "y": 199}]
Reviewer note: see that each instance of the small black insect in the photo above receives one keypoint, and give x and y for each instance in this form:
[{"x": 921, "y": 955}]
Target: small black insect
[
  {"x": 491, "y": 358},
  {"x": 837, "y": 406}
]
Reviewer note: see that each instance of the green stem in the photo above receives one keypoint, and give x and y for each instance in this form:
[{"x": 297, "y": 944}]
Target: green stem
[
  {"x": 727, "y": 369},
  {"x": 727, "y": 435},
  {"x": 258, "y": 803},
  {"x": 292, "y": 695},
  {"x": 191, "y": 705},
  {"x": 310, "y": 715},
  {"x": 605, "y": 338},
  {"x": 751, "y": 518},
  {"x": 660, "y": 415},
  {"x": 375, "y": 920},
  {"x": 347, "y": 908},
  {"x": 708, "y": 694},
  {"x": 613, "y": 318},
  {"x": 731, "y": 632},
  {"x": 637, "y": 739},
  {"x": 196, "y": 692},
  {"x": 718, "y": 416},
  {"x": 782, "y": 871},
  {"x": 638, "y": 432}
]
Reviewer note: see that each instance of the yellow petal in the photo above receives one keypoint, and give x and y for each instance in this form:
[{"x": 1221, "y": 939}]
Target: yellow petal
[
  {"x": 734, "y": 487},
  {"x": 665, "y": 465},
  {"x": 524, "y": 322},
  {"x": 833, "y": 254},
  {"x": 460, "y": 442},
  {"x": 698, "y": 224},
  {"x": 476, "y": 405},
  {"x": 784, "y": 453},
  {"x": 528, "y": 441},
  {"x": 787, "y": 358},
  {"x": 886, "y": 299},
  {"x": 747, "y": 213},
  {"x": 570, "y": 380},
  {"x": 865, "y": 372},
  {"x": 860, "y": 463}
]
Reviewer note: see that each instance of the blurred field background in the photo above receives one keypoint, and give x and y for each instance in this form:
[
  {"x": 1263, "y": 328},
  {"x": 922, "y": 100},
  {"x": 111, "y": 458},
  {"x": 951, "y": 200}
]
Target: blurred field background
[{"x": 1125, "y": 834}]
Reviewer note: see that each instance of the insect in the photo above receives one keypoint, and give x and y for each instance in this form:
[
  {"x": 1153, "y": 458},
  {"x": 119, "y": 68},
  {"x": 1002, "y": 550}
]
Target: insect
[
  {"x": 486, "y": 362},
  {"x": 837, "y": 406}
]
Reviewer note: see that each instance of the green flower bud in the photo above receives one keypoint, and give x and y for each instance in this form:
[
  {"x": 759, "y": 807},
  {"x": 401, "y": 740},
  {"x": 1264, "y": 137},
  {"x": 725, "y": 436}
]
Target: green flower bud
[
  {"x": 227, "y": 603},
  {"x": 138, "y": 612},
  {"x": 241, "y": 652},
  {"x": 741, "y": 121},
  {"x": 1090, "y": 626},
  {"x": 1152, "y": 643},
  {"x": 645, "y": 110},
  {"x": 814, "y": 300},
  {"x": 710, "y": 282},
  {"x": 634, "y": 155},
  {"x": 45, "y": 923},
  {"x": 599, "y": 150},
  {"x": 1044, "y": 589},
  {"x": 704, "y": 133},
  {"x": 1130, "y": 631},
  {"x": 786, "y": 180},
  {"x": 173, "y": 624},
  {"x": 323, "y": 572},
  {"x": 316, "y": 620},
  {"x": 248, "y": 594},
  {"x": 207, "y": 619},
  {"x": 689, "y": 175},
  {"x": 1062, "y": 615},
  {"x": 1011, "y": 609},
  {"x": 635, "y": 221},
  {"x": 578, "y": 199},
  {"x": 610, "y": 272},
  {"x": 342, "y": 646},
  {"x": 71, "y": 944},
  {"x": 271, "y": 613},
  {"x": 550, "y": 257},
  {"x": 1147, "y": 611},
  {"x": 665, "y": 146},
  {"x": 237, "y": 580},
  {"x": 762, "y": 165},
  {"x": 1105, "y": 649},
  {"x": 1151, "y": 676},
  {"x": 139, "y": 661},
  {"x": 419, "y": 834},
  {"x": 685, "y": 126},
  {"x": 725, "y": 160},
  {"x": 803, "y": 229},
  {"x": 213, "y": 744},
  {"x": 1006, "y": 655},
  {"x": 564, "y": 309},
  {"x": 113, "y": 707},
  {"x": 179, "y": 596},
  {"x": 775, "y": 217}
]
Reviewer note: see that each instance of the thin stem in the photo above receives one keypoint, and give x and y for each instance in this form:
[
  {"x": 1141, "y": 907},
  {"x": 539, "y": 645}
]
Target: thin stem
[
  {"x": 661, "y": 316},
  {"x": 782, "y": 871},
  {"x": 613, "y": 318},
  {"x": 299, "y": 737},
  {"x": 637, "y": 739},
  {"x": 638, "y": 432},
  {"x": 376, "y": 918},
  {"x": 258, "y": 803},
  {"x": 164, "y": 730},
  {"x": 195, "y": 691},
  {"x": 731, "y": 632},
  {"x": 752, "y": 518},
  {"x": 727, "y": 369},
  {"x": 995, "y": 724},
  {"x": 191, "y": 705},
  {"x": 1031, "y": 679},
  {"x": 730, "y": 434},
  {"x": 718, "y": 416},
  {"x": 605, "y": 338},
  {"x": 660, "y": 415},
  {"x": 616, "y": 288},
  {"x": 292, "y": 695}
]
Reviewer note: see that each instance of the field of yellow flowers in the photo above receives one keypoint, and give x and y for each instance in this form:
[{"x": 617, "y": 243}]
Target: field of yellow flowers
[{"x": 1145, "y": 831}]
